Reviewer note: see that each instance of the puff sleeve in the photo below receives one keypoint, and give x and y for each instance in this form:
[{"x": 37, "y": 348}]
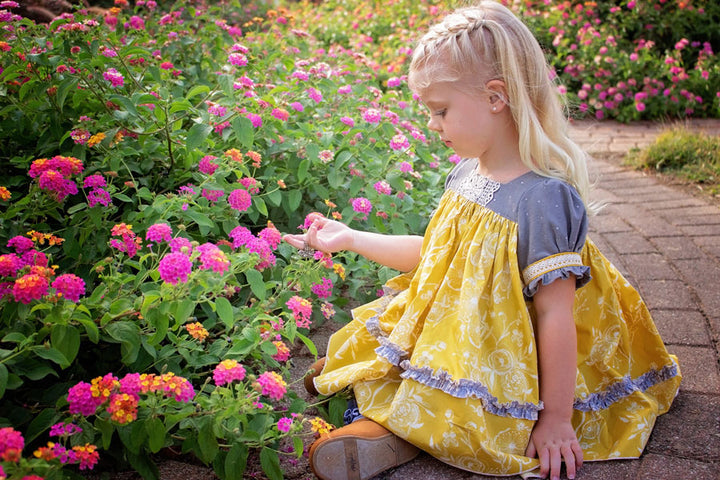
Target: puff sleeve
[{"x": 552, "y": 226}]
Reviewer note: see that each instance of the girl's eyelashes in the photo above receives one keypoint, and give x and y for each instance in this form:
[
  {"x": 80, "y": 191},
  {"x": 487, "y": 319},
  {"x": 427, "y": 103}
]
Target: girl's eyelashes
[{"x": 440, "y": 112}]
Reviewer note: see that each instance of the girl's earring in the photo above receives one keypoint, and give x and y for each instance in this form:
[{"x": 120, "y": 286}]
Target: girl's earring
[{"x": 494, "y": 109}]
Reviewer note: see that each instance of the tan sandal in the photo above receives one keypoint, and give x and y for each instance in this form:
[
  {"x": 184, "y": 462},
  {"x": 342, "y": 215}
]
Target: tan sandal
[
  {"x": 358, "y": 451},
  {"x": 314, "y": 370}
]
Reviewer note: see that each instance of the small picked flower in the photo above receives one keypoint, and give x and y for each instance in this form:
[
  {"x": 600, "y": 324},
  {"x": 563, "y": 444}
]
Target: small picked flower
[{"x": 362, "y": 205}]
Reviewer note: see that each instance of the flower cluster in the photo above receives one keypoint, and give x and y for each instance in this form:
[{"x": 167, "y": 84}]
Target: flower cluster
[
  {"x": 197, "y": 331},
  {"x": 301, "y": 309},
  {"x": 266, "y": 241},
  {"x": 54, "y": 175},
  {"x": 128, "y": 241},
  {"x": 98, "y": 194},
  {"x": 12, "y": 443},
  {"x": 35, "y": 278},
  {"x": 272, "y": 385},
  {"x": 323, "y": 289},
  {"x": 122, "y": 396},
  {"x": 228, "y": 371}
]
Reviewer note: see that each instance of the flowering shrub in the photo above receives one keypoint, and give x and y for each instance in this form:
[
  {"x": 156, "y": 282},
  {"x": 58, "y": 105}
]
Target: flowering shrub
[{"x": 152, "y": 156}]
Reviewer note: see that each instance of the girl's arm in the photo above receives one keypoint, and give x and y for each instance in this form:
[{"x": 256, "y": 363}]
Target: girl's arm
[
  {"x": 553, "y": 439},
  {"x": 400, "y": 252}
]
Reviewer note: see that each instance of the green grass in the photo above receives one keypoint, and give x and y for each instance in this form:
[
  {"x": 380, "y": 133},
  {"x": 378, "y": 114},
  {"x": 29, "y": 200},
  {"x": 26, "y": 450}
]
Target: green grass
[{"x": 690, "y": 156}]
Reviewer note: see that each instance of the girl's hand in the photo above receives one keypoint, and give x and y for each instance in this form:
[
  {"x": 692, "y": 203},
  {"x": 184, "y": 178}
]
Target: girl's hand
[
  {"x": 325, "y": 235},
  {"x": 551, "y": 442}
]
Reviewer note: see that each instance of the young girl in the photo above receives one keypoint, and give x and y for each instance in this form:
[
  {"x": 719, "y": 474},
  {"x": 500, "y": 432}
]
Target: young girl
[{"x": 511, "y": 345}]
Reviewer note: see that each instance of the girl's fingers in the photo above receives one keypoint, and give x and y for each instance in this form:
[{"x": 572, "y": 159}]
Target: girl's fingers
[
  {"x": 577, "y": 450},
  {"x": 570, "y": 461},
  {"x": 297, "y": 241},
  {"x": 555, "y": 463}
]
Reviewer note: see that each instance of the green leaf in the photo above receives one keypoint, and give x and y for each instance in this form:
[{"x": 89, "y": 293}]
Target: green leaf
[
  {"x": 128, "y": 335},
  {"x": 244, "y": 131},
  {"x": 156, "y": 434},
  {"x": 206, "y": 225},
  {"x": 126, "y": 103},
  {"x": 257, "y": 285},
  {"x": 197, "y": 90},
  {"x": 206, "y": 440},
  {"x": 260, "y": 205},
  {"x": 91, "y": 329},
  {"x": 225, "y": 311},
  {"x": 236, "y": 461},
  {"x": 144, "y": 466},
  {"x": 3, "y": 379},
  {"x": 161, "y": 322},
  {"x": 294, "y": 198},
  {"x": 66, "y": 339},
  {"x": 65, "y": 87},
  {"x": 270, "y": 463},
  {"x": 298, "y": 447},
  {"x": 336, "y": 410},
  {"x": 14, "y": 337},
  {"x": 274, "y": 198},
  {"x": 52, "y": 354},
  {"x": 308, "y": 343},
  {"x": 182, "y": 310},
  {"x": 34, "y": 371},
  {"x": 303, "y": 170},
  {"x": 41, "y": 422},
  {"x": 197, "y": 135},
  {"x": 106, "y": 429}
]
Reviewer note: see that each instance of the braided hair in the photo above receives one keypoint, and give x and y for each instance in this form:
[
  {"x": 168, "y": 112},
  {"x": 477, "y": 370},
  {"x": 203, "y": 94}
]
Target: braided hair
[{"x": 475, "y": 45}]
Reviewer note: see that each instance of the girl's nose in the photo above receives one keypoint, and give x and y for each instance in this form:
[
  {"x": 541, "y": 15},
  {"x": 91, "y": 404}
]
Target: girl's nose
[{"x": 433, "y": 124}]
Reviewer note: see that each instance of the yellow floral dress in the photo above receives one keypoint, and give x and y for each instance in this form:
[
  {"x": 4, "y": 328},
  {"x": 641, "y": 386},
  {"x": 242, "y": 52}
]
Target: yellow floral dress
[{"x": 447, "y": 358}]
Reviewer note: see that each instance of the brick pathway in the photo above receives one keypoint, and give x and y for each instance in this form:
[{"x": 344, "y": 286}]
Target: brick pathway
[{"x": 667, "y": 243}]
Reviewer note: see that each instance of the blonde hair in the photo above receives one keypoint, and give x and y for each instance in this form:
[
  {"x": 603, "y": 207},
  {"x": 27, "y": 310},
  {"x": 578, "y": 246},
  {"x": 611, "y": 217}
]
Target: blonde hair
[{"x": 475, "y": 45}]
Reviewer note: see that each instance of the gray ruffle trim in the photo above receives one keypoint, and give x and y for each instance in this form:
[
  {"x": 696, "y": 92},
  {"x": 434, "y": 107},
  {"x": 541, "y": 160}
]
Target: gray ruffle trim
[
  {"x": 391, "y": 352},
  {"x": 581, "y": 273},
  {"x": 624, "y": 388},
  {"x": 465, "y": 388}
]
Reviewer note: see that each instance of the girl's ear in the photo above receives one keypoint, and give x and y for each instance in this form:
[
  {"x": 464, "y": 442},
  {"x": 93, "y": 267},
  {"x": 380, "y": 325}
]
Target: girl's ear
[{"x": 497, "y": 95}]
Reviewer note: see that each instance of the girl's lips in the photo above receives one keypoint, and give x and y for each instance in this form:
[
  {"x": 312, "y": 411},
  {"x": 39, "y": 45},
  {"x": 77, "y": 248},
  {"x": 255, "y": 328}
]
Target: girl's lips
[{"x": 447, "y": 143}]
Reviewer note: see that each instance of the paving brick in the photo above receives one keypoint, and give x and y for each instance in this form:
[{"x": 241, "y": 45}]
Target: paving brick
[
  {"x": 701, "y": 230},
  {"x": 655, "y": 467},
  {"x": 680, "y": 206},
  {"x": 689, "y": 429},
  {"x": 425, "y": 466},
  {"x": 684, "y": 327},
  {"x": 651, "y": 225},
  {"x": 678, "y": 248},
  {"x": 648, "y": 266},
  {"x": 606, "y": 197},
  {"x": 702, "y": 219},
  {"x": 703, "y": 277},
  {"x": 609, "y": 470},
  {"x": 608, "y": 223},
  {"x": 710, "y": 245},
  {"x": 699, "y": 369},
  {"x": 629, "y": 242},
  {"x": 664, "y": 294},
  {"x": 635, "y": 183}
]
